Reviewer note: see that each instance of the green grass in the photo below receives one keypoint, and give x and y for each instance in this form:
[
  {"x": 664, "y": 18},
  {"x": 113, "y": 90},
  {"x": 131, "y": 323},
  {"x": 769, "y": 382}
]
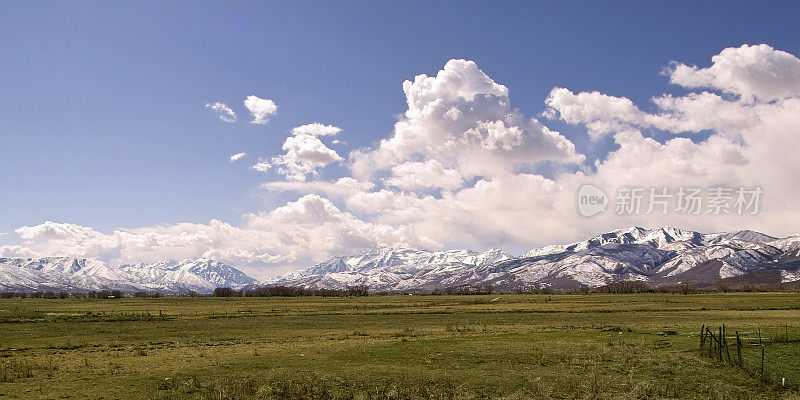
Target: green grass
[{"x": 391, "y": 347}]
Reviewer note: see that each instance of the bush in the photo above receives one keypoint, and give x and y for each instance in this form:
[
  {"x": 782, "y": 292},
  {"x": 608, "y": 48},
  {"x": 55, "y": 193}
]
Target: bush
[
  {"x": 625, "y": 287},
  {"x": 224, "y": 292},
  {"x": 290, "y": 291}
]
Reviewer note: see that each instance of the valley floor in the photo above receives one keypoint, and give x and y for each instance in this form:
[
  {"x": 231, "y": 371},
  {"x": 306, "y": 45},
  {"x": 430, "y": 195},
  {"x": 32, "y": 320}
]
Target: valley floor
[{"x": 396, "y": 347}]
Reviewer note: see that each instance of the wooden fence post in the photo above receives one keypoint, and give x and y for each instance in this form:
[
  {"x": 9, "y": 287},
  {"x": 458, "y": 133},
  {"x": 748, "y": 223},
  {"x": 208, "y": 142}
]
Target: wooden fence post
[
  {"x": 711, "y": 342},
  {"x": 719, "y": 344},
  {"x": 738, "y": 348},
  {"x": 725, "y": 340},
  {"x": 702, "y": 335},
  {"x": 762, "y": 361},
  {"x": 759, "y": 336}
]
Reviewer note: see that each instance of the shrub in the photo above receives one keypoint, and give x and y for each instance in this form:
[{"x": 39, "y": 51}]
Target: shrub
[{"x": 624, "y": 287}]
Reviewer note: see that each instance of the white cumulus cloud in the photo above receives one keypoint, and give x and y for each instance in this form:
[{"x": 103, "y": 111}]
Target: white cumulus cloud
[
  {"x": 305, "y": 153},
  {"x": 464, "y": 119},
  {"x": 316, "y": 129},
  {"x": 753, "y": 72},
  {"x": 261, "y": 109}
]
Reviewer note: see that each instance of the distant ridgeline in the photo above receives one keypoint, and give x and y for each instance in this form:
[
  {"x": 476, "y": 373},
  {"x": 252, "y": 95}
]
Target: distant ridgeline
[{"x": 645, "y": 259}]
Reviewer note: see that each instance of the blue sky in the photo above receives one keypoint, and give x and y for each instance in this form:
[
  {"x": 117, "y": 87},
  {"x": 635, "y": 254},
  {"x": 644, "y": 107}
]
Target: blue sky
[{"x": 103, "y": 120}]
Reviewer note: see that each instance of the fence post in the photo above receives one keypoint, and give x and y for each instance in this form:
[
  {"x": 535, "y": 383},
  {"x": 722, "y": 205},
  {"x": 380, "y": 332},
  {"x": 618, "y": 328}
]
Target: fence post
[
  {"x": 719, "y": 344},
  {"x": 725, "y": 342},
  {"x": 702, "y": 335},
  {"x": 759, "y": 336},
  {"x": 711, "y": 343},
  {"x": 738, "y": 348},
  {"x": 762, "y": 361}
]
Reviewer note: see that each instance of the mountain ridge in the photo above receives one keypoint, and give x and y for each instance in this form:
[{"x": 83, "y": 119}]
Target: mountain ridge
[
  {"x": 658, "y": 256},
  {"x": 86, "y": 274}
]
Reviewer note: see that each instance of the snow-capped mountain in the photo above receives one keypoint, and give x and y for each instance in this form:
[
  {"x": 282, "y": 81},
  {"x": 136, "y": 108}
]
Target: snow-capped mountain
[
  {"x": 661, "y": 256},
  {"x": 661, "y": 238},
  {"x": 391, "y": 269},
  {"x": 199, "y": 275},
  {"x": 658, "y": 256},
  {"x": 77, "y": 274}
]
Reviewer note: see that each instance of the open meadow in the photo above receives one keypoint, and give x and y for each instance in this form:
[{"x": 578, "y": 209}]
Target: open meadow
[{"x": 513, "y": 346}]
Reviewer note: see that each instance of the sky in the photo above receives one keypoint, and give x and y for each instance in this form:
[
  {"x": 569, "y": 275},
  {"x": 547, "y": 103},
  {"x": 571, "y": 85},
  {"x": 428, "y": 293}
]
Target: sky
[{"x": 274, "y": 135}]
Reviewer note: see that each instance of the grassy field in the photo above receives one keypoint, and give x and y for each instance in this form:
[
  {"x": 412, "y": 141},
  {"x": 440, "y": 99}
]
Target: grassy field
[{"x": 393, "y": 347}]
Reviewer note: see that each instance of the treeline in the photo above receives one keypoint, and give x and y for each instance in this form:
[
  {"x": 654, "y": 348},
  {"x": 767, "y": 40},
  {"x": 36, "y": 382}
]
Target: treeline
[
  {"x": 287, "y": 291},
  {"x": 363, "y": 290},
  {"x": 94, "y": 294},
  {"x": 684, "y": 288},
  {"x": 465, "y": 289},
  {"x": 621, "y": 287}
]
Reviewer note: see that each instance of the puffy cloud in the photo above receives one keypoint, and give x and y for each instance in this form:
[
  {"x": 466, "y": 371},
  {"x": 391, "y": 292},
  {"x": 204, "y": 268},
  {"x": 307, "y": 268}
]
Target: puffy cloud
[
  {"x": 600, "y": 113},
  {"x": 261, "y": 166},
  {"x": 316, "y": 129},
  {"x": 14, "y": 250},
  {"x": 304, "y": 154},
  {"x": 749, "y": 142},
  {"x": 428, "y": 174},
  {"x": 238, "y": 156},
  {"x": 746, "y": 144},
  {"x": 66, "y": 239},
  {"x": 754, "y": 72},
  {"x": 493, "y": 136},
  {"x": 463, "y": 119},
  {"x": 260, "y": 109},
  {"x": 222, "y": 111}
]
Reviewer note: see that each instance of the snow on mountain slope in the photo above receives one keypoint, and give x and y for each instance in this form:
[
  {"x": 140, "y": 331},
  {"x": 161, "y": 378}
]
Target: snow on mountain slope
[
  {"x": 660, "y": 256},
  {"x": 790, "y": 276},
  {"x": 744, "y": 235},
  {"x": 737, "y": 258},
  {"x": 419, "y": 270},
  {"x": 389, "y": 268},
  {"x": 660, "y": 238},
  {"x": 789, "y": 245},
  {"x": 591, "y": 267},
  {"x": 74, "y": 274},
  {"x": 201, "y": 275}
]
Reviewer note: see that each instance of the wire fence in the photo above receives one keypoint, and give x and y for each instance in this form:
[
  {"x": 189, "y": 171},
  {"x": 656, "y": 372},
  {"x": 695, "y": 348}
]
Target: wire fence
[{"x": 770, "y": 352}]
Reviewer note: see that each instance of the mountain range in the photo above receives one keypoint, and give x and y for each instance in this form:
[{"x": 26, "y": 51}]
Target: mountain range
[
  {"x": 661, "y": 256},
  {"x": 80, "y": 275}
]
